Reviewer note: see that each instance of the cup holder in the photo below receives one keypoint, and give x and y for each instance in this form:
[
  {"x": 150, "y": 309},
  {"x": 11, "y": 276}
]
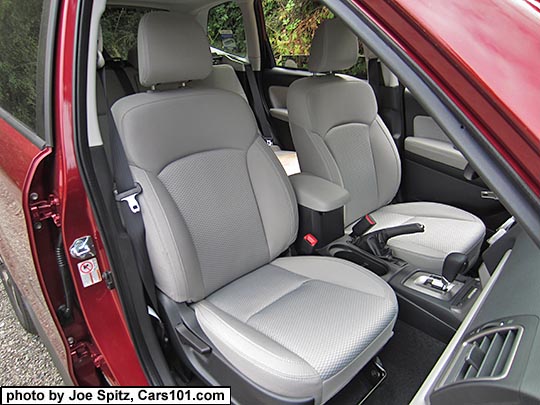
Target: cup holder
[{"x": 370, "y": 263}]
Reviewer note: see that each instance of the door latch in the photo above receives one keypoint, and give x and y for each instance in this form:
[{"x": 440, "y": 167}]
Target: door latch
[{"x": 488, "y": 195}]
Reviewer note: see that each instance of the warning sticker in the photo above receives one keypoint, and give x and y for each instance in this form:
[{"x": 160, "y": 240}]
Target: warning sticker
[{"x": 89, "y": 271}]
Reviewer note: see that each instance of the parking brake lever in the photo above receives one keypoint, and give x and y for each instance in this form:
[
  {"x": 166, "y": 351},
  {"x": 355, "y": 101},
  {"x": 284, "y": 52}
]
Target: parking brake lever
[{"x": 376, "y": 242}]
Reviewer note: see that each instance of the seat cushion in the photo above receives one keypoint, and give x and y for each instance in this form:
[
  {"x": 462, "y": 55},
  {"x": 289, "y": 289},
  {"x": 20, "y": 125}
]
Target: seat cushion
[
  {"x": 301, "y": 326},
  {"x": 447, "y": 230}
]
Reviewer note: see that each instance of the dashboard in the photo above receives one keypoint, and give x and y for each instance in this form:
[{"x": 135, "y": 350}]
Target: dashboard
[{"x": 494, "y": 357}]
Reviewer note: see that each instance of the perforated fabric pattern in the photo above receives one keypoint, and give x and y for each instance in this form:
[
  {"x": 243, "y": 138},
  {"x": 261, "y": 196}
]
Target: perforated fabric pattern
[
  {"x": 255, "y": 291},
  {"x": 213, "y": 193},
  {"x": 350, "y": 145},
  {"x": 327, "y": 339},
  {"x": 442, "y": 234},
  {"x": 447, "y": 229},
  {"x": 325, "y": 324}
]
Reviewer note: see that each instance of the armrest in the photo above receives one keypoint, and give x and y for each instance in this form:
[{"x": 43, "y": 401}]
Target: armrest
[
  {"x": 438, "y": 151},
  {"x": 280, "y": 113},
  {"x": 317, "y": 193}
]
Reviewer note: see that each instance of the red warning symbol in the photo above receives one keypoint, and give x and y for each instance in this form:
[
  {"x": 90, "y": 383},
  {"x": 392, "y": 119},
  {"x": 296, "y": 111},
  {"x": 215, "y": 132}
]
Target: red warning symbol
[
  {"x": 87, "y": 267},
  {"x": 89, "y": 272}
]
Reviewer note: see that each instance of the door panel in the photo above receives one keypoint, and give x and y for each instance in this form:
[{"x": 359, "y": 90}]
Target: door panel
[
  {"x": 425, "y": 127},
  {"x": 276, "y": 82},
  {"x": 438, "y": 151},
  {"x": 434, "y": 170}
]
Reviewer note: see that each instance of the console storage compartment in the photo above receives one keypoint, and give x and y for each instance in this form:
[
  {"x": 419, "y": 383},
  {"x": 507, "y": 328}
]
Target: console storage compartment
[{"x": 320, "y": 211}]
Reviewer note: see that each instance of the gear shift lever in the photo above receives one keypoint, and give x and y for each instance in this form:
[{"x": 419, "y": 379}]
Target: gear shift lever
[{"x": 454, "y": 264}]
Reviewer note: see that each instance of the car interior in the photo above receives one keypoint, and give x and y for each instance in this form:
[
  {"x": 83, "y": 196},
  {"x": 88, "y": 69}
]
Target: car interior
[{"x": 313, "y": 234}]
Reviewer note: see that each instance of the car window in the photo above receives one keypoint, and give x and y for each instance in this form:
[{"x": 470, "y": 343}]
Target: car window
[
  {"x": 290, "y": 25},
  {"x": 226, "y": 29},
  {"x": 119, "y": 26},
  {"x": 20, "y": 22}
]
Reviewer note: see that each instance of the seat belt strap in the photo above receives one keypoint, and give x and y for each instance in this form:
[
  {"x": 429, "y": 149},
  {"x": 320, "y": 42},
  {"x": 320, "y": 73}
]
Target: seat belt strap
[
  {"x": 259, "y": 107},
  {"x": 122, "y": 77},
  {"x": 126, "y": 193}
]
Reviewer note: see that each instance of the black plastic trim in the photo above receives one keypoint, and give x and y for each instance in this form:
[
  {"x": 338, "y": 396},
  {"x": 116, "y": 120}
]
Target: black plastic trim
[{"x": 267, "y": 55}]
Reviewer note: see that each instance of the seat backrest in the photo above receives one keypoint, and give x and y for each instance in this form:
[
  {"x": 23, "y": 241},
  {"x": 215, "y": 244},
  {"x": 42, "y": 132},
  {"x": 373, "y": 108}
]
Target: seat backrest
[
  {"x": 335, "y": 127},
  {"x": 216, "y": 203},
  {"x": 222, "y": 77}
]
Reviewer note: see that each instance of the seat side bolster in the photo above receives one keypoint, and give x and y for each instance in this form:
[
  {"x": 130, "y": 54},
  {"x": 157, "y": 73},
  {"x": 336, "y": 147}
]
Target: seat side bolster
[
  {"x": 386, "y": 160},
  {"x": 258, "y": 356},
  {"x": 170, "y": 246},
  {"x": 314, "y": 156},
  {"x": 276, "y": 202}
]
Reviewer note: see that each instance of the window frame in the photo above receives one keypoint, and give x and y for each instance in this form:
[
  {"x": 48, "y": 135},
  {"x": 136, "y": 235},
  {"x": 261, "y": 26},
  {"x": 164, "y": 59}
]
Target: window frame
[
  {"x": 267, "y": 52},
  {"x": 42, "y": 135},
  {"x": 222, "y": 52}
]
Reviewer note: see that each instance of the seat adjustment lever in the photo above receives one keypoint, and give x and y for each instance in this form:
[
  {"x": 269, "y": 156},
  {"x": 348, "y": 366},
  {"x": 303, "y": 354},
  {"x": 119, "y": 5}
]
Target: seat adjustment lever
[{"x": 189, "y": 338}]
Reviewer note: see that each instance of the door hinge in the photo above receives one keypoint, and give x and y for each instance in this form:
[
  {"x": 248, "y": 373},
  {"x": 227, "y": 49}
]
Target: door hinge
[
  {"x": 41, "y": 210},
  {"x": 86, "y": 351}
]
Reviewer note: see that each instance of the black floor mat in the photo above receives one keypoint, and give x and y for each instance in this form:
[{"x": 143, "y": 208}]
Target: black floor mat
[{"x": 408, "y": 358}]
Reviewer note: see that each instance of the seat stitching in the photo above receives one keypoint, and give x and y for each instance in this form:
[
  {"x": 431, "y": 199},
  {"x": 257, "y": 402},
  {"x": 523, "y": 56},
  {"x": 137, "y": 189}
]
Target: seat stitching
[
  {"x": 277, "y": 299},
  {"x": 344, "y": 262}
]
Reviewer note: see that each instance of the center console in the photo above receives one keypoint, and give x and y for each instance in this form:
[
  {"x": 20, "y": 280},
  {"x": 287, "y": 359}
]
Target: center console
[
  {"x": 434, "y": 303},
  {"x": 430, "y": 302}
]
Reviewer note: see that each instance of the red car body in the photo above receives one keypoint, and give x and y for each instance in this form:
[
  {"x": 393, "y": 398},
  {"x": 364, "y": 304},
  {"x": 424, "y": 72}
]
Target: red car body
[{"x": 477, "y": 65}]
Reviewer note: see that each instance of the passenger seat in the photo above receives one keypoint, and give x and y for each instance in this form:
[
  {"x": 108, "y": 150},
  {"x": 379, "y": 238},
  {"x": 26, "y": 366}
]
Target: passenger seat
[{"x": 340, "y": 137}]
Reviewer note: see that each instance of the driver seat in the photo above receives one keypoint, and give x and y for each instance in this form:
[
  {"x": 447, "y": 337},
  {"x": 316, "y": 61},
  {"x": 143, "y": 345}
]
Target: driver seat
[{"x": 218, "y": 210}]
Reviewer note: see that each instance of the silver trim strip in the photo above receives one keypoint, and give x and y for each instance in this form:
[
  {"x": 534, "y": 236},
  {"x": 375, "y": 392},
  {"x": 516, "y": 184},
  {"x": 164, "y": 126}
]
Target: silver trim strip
[
  {"x": 422, "y": 396},
  {"x": 511, "y": 356}
]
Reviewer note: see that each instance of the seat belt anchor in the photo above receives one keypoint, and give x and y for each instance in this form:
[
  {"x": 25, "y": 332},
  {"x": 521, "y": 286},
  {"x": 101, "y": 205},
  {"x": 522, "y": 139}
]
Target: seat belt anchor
[{"x": 130, "y": 197}]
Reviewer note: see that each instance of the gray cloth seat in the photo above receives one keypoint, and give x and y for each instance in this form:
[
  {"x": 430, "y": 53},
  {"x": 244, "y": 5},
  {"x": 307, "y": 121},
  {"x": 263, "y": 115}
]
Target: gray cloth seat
[
  {"x": 219, "y": 209},
  {"x": 340, "y": 137},
  {"x": 304, "y": 325}
]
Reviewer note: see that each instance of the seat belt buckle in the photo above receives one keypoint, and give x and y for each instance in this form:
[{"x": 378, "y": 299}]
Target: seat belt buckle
[
  {"x": 311, "y": 240},
  {"x": 362, "y": 226},
  {"x": 130, "y": 197}
]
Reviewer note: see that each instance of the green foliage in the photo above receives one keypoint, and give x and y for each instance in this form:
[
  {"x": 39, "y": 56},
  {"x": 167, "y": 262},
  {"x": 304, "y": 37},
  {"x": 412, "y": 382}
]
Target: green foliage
[
  {"x": 119, "y": 27},
  {"x": 227, "y": 16},
  {"x": 291, "y": 24},
  {"x": 19, "y": 31}
]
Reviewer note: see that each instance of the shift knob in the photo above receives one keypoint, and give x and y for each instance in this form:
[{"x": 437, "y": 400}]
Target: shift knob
[{"x": 454, "y": 264}]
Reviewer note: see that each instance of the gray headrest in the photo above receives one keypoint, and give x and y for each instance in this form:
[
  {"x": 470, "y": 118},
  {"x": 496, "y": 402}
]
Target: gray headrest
[
  {"x": 334, "y": 47},
  {"x": 172, "y": 48}
]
